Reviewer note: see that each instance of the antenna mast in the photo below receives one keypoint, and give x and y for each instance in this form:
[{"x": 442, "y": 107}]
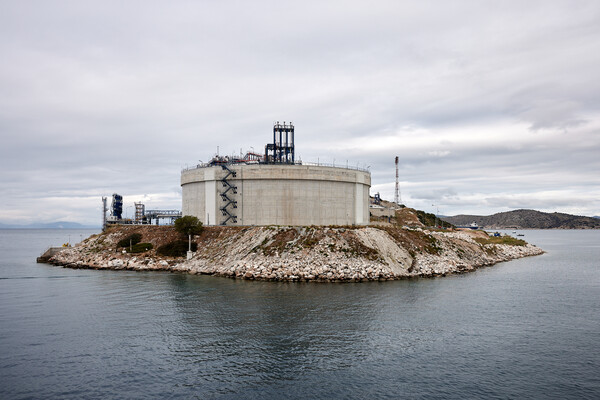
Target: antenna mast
[{"x": 397, "y": 193}]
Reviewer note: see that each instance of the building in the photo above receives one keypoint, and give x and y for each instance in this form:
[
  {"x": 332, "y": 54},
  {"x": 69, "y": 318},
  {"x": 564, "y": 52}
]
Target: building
[{"x": 275, "y": 189}]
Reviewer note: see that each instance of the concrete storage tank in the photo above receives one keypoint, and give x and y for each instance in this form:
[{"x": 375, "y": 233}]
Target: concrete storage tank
[
  {"x": 275, "y": 189},
  {"x": 276, "y": 194}
]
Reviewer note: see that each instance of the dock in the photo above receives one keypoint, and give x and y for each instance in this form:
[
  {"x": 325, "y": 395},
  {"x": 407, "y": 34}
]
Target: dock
[{"x": 45, "y": 257}]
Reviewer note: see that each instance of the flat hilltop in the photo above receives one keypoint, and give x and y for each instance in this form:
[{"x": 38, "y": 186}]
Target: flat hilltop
[{"x": 285, "y": 253}]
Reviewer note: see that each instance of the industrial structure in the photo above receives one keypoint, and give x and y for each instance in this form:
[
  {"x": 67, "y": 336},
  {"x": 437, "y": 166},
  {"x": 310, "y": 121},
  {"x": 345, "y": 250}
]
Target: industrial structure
[
  {"x": 142, "y": 216},
  {"x": 397, "y": 199},
  {"x": 275, "y": 189}
]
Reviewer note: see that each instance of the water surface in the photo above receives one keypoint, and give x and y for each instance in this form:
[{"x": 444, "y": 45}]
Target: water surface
[{"x": 529, "y": 328}]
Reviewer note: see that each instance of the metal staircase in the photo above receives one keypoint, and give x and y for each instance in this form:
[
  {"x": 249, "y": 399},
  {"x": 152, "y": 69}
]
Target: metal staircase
[{"x": 228, "y": 213}]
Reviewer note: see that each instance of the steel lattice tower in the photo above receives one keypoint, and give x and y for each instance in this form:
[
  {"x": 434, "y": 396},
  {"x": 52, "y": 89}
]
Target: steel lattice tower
[{"x": 397, "y": 192}]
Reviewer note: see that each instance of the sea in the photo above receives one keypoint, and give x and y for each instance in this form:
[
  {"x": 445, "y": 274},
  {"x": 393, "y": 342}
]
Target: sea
[{"x": 527, "y": 328}]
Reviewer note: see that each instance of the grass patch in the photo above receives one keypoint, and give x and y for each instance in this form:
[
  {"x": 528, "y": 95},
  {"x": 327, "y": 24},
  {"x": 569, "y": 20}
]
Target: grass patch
[
  {"x": 502, "y": 240},
  {"x": 432, "y": 246},
  {"x": 414, "y": 241},
  {"x": 357, "y": 248},
  {"x": 311, "y": 239},
  {"x": 279, "y": 242},
  {"x": 140, "y": 248}
]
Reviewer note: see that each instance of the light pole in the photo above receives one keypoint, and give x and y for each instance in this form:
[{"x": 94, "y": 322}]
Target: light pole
[{"x": 190, "y": 253}]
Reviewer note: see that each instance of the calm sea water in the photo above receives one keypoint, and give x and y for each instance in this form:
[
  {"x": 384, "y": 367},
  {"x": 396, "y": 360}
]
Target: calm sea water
[{"x": 529, "y": 328}]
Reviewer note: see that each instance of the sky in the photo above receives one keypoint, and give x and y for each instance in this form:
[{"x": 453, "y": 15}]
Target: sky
[{"x": 490, "y": 106}]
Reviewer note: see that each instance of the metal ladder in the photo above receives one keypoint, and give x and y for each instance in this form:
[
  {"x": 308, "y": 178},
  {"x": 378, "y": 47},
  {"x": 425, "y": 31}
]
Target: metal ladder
[{"x": 228, "y": 201}]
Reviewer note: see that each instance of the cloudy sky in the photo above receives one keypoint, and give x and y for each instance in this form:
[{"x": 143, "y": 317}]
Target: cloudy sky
[{"x": 490, "y": 105}]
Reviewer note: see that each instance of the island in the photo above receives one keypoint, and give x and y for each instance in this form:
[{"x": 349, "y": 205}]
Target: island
[{"x": 377, "y": 252}]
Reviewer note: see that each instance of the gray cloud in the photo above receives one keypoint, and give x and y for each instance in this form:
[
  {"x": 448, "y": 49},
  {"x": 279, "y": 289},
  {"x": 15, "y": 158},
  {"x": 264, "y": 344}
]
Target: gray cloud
[{"x": 488, "y": 105}]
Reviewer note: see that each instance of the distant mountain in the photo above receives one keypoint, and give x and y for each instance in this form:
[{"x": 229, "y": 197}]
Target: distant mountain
[
  {"x": 50, "y": 225},
  {"x": 527, "y": 219}
]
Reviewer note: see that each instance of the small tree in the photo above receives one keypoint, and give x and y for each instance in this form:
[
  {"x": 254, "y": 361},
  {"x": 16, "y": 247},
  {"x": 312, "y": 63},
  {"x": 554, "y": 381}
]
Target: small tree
[{"x": 188, "y": 225}]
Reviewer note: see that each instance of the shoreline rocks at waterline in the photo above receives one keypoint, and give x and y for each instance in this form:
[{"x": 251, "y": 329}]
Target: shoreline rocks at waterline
[{"x": 315, "y": 254}]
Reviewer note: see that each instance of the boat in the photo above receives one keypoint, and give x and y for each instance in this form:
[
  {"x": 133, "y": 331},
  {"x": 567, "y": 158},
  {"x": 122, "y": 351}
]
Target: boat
[{"x": 472, "y": 226}]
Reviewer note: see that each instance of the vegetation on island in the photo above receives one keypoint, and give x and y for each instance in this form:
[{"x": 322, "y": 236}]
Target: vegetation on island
[
  {"x": 130, "y": 240},
  {"x": 188, "y": 225},
  {"x": 429, "y": 219},
  {"x": 140, "y": 248},
  {"x": 505, "y": 239},
  {"x": 177, "y": 248},
  {"x": 400, "y": 246}
]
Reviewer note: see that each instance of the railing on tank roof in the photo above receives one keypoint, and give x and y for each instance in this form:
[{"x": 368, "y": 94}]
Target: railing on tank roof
[
  {"x": 334, "y": 165},
  {"x": 314, "y": 164}
]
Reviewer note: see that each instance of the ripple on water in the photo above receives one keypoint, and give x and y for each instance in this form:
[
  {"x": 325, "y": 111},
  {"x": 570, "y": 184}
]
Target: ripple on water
[{"x": 520, "y": 329}]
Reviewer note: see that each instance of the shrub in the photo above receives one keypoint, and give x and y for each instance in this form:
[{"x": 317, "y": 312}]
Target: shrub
[
  {"x": 132, "y": 239},
  {"x": 188, "y": 225},
  {"x": 177, "y": 248},
  {"x": 140, "y": 248},
  {"x": 429, "y": 219}
]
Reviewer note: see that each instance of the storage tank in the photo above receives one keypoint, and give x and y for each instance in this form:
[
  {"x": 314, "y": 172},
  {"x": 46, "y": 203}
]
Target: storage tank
[{"x": 276, "y": 194}]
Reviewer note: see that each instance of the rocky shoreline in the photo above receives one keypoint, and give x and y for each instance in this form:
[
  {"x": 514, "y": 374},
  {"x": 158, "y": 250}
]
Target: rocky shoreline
[{"x": 306, "y": 254}]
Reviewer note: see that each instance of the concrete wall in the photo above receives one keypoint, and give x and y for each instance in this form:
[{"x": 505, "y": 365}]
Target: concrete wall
[
  {"x": 382, "y": 212},
  {"x": 279, "y": 195}
]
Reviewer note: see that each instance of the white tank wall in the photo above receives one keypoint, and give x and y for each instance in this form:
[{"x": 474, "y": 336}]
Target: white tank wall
[{"x": 279, "y": 195}]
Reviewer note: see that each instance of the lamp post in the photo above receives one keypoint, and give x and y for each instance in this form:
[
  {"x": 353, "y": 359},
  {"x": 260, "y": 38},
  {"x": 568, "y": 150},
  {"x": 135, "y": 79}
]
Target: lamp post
[{"x": 190, "y": 253}]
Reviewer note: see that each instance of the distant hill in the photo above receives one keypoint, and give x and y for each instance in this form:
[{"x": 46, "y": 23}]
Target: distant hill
[
  {"x": 50, "y": 225},
  {"x": 527, "y": 219}
]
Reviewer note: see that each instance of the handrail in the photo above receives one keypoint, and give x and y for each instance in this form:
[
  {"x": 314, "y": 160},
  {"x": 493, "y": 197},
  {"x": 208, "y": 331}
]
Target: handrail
[{"x": 313, "y": 164}]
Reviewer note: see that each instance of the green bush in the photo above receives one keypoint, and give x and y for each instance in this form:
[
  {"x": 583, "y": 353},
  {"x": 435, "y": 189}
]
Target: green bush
[
  {"x": 132, "y": 239},
  {"x": 140, "y": 248},
  {"x": 429, "y": 219},
  {"x": 177, "y": 248},
  {"x": 188, "y": 225}
]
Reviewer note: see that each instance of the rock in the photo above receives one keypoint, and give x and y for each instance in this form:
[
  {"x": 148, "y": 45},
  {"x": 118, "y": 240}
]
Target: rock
[{"x": 332, "y": 256}]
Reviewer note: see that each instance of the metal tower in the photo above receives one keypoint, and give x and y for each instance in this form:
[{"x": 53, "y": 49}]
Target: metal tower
[
  {"x": 281, "y": 151},
  {"x": 140, "y": 209},
  {"x": 397, "y": 192},
  {"x": 104, "y": 209},
  {"x": 116, "y": 208}
]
